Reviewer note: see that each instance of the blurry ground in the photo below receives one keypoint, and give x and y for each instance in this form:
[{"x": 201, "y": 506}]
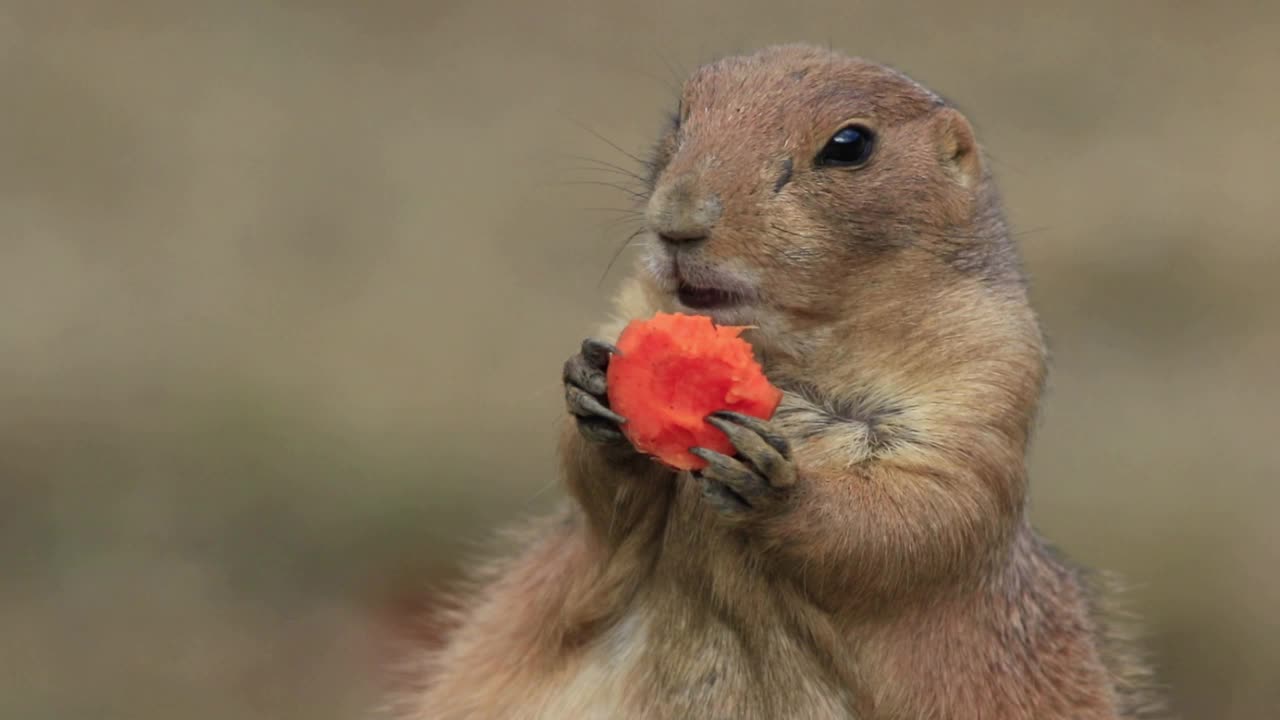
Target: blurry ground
[{"x": 285, "y": 289}]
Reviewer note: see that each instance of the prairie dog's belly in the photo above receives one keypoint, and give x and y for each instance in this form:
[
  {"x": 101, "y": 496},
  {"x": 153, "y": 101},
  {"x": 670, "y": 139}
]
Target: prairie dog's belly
[{"x": 632, "y": 673}]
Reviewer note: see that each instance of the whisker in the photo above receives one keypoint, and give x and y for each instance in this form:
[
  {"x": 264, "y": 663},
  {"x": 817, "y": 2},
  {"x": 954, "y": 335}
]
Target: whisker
[
  {"x": 603, "y": 164},
  {"x": 1029, "y": 231},
  {"x": 616, "y": 186},
  {"x": 617, "y": 254},
  {"x": 678, "y": 74},
  {"x": 621, "y": 173},
  {"x": 621, "y": 221},
  {"x": 625, "y": 211},
  {"x": 609, "y": 142}
]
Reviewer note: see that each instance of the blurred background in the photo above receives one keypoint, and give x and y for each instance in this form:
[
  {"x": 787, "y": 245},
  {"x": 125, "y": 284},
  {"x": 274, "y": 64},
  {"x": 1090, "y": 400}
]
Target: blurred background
[{"x": 285, "y": 288}]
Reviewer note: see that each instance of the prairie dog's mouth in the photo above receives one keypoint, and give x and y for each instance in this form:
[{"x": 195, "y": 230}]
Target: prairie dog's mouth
[
  {"x": 703, "y": 287},
  {"x": 705, "y": 298}
]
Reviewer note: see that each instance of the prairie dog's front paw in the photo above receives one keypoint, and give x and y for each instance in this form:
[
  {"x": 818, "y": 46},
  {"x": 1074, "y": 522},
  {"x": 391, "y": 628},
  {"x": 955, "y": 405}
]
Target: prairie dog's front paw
[
  {"x": 586, "y": 393},
  {"x": 757, "y": 478}
]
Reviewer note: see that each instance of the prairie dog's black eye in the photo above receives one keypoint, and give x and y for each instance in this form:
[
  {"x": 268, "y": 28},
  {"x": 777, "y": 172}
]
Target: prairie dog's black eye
[{"x": 851, "y": 146}]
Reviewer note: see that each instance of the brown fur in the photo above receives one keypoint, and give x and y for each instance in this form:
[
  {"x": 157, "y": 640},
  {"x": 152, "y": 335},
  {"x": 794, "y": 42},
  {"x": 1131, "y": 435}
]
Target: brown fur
[{"x": 899, "y": 577}]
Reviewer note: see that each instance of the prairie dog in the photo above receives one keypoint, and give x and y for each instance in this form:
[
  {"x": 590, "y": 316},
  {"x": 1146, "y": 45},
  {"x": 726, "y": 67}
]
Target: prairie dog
[{"x": 865, "y": 554}]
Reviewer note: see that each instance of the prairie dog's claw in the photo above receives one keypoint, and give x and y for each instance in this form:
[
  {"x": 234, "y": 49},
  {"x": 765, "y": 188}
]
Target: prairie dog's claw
[
  {"x": 580, "y": 374},
  {"x": 754, "y": 424},
  {"x": 757, "y": 477},
  {"x": 767, "y": 452},
  {"x": 597, "y": 352},
  {"x": 732, "y": 473},
  {"x": 586, "y": 392},
  {"x": 585, "y": 405}
]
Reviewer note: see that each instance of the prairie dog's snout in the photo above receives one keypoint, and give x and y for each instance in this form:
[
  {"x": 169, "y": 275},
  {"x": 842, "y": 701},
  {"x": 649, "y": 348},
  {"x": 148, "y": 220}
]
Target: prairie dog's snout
[
  {"x": 680, "y": 211},
  {"x": 683, "y": 212}
]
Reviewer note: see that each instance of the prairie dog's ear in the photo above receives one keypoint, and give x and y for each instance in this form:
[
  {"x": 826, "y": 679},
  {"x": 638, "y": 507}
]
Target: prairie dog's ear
[{"x": 957, "y": 146}]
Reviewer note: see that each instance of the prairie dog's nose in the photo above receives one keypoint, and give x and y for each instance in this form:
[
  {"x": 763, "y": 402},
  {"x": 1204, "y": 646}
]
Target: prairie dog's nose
[{"x": 680, "y": 213}]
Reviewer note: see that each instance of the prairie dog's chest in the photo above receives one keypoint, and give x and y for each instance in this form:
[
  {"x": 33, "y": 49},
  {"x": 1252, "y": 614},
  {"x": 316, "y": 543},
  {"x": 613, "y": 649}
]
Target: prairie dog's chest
[
  {"x": 601, "y": 684},
  {"x": 661, "y": 670}
]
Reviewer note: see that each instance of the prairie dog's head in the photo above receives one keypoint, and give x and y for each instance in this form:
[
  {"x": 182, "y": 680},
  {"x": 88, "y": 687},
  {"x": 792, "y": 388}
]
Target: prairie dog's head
[{"x": 791, "y": 180}]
